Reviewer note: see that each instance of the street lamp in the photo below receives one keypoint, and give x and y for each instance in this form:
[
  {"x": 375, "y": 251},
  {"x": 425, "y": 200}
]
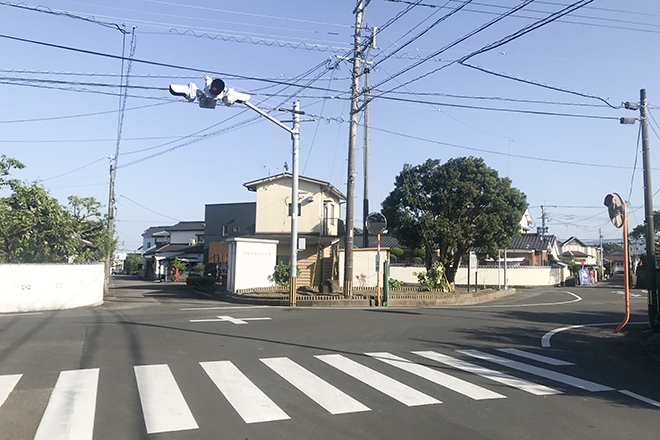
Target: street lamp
[{"x": 214, "y": 91}]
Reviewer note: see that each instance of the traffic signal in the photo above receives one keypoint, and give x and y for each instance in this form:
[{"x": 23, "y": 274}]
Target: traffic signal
[{"x": 189, "y": 92}]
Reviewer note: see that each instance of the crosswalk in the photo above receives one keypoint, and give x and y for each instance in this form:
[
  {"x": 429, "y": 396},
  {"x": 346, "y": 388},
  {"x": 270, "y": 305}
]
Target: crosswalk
[{"x": 71, "y": 409}]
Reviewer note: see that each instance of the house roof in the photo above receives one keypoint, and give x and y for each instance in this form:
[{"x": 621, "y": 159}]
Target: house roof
[
  {"x": 188, "y": 226},
  {"x": 180, "y": 248},
  {"x": 533, "y": 242},
  {"x": 252, "y": 186},
  {"x": 575, "y": 239},
  {"x": 153, "y": 229}
]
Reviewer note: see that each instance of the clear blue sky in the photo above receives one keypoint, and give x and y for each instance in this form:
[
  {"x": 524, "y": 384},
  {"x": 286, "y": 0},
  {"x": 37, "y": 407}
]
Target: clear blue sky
[{"x": 60, "y": 107}]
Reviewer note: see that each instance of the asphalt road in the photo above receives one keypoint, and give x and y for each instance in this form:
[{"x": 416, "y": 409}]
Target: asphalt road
[{"x": 159, "y": 362}]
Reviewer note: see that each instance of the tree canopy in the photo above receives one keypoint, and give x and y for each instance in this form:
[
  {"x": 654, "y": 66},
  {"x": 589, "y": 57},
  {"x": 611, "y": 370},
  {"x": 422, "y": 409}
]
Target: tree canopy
[
  {"x": 35, "y": 228},
  {"x": 449, "y": 208}
]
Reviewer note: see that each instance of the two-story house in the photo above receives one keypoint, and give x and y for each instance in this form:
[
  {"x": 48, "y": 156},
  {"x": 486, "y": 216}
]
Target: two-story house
[
  {"x": 162, "y": 244},
  {"x": 319, "y": 224},
  {"x": 581, "y": 252}
]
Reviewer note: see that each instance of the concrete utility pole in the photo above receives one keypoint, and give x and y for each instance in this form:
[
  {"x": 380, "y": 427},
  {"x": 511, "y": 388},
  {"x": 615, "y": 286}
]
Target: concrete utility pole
[
  {"x": 651, "y": 274},
  {"x": 111, "y": 222},
  {"x": 352, "y": 138},
  {"x": 365, "y": 201}
]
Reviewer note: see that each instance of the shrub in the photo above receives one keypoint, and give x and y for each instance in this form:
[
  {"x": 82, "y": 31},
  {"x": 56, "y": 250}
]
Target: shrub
[
  {"x": 397, "y": 252},
  {"x": 394, "y": 284},
  {"x": 283, "y": 273},
  {"x": 198, "y": 280},
  {"x": 433, "y": 278},
  {"x": 199, "y": 268},
  {"x": 418, "y": 260}
]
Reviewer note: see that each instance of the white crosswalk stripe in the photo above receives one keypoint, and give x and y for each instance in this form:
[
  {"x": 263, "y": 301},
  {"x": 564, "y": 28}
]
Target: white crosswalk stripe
[
  {"x": 453, "y": 383},
  {"x": 497, "y": 376},
  {"x": 534, "y": 357},
  {"x": 7, "y": 384},
  {"x": 386, "y": 385},
  {"x": 320, "y": 391},
  {"x": 542, "y": 372},
  {"x": 163, "y": 404},
  {"x": 72, "y": 407},
  {"x": 246, "y": 398},
  {"x": 70, "y": 410}
]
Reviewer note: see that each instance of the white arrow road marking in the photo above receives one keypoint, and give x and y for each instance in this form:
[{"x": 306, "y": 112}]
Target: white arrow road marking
[{"x": 230, "y": 319}]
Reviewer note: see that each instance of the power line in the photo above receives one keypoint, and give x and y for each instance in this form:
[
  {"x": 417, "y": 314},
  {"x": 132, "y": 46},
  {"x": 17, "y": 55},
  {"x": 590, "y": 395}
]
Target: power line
[
  {"x": 155, "y": 63},
  {"x": 507, "y": 110},
  {"x": 148, "y": 209},
  {"x": 421, "y": 34},
  {"x": 447, "y": 47},
  {"x": 499, "y": 153},
  {"x": 54, "y": 118},
  {"x": 73, "y": 171},
  {"x": 46, "y": 10}
]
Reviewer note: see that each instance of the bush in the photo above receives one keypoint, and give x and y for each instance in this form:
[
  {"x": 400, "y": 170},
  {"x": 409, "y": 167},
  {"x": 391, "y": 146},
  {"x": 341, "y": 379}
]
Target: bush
[
  {"x": 433, "y": 278},
  {"x": 397, "y": 252},
  {"x": 418, "y": 260},
  {"x": 283, "y": 273},
  {"x": 198, "y": 280},
  {"x": 394, "y": 284}
]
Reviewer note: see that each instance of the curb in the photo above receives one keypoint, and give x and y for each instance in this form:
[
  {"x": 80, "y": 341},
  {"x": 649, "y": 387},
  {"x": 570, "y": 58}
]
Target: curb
[{"x": 361, "y": 300}]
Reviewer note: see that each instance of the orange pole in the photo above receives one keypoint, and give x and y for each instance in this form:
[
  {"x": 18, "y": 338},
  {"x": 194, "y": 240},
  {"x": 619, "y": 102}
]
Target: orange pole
[
  {"x": 626, "y": 283},
  {"x": 378, "y": 270}
]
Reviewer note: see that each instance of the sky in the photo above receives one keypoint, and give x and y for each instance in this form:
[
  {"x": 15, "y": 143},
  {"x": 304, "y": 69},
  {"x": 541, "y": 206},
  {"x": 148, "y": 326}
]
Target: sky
[{"x": 549, "y": 119}]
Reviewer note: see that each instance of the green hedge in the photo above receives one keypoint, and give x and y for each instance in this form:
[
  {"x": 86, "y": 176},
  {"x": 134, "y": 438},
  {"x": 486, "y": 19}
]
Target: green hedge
[{"x": 198, "y": 280}]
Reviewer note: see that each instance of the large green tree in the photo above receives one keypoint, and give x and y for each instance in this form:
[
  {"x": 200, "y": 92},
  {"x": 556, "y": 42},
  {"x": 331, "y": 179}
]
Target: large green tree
[
  {"x": 452, "y": 207},
  {"x": 35, "y": 228}
]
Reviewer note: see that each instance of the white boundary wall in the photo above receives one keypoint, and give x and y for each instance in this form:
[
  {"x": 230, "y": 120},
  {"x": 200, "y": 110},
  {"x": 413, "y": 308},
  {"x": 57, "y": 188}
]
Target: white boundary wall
[
  {"x": 523, "y": 276},
  {"x": 35, "y": 287},
  {"x": 251, "y": 263},
  {"x": 364, "y": 266}
]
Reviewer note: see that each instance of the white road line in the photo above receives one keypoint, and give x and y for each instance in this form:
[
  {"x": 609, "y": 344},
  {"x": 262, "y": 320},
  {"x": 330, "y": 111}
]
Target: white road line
[
  {"x": 248, "y": 400},
  {"x": 396, "y": 390},
  {"x": 453, "y": 383},
  {"x": 642, "y": 398},
  {"x": 163, "y": 405},
  {"x": 497, "y": 376},
  {"x": 231, "y": 319},
  {"x": 542, "y": 372},
  {"x": 7, "y": 384},
  {"x": 535, "y": 357},
  {"x": 317, "y": 389},
  {"x": 71, "y": 408},
  {"x": 545, "y": 340},
  {"x": 9, "y": 315},
  {"x": 195, "y": 309}
]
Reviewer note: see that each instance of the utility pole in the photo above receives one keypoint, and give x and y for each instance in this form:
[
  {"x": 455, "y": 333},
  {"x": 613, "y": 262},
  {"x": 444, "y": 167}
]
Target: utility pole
[
  {"x": 600, "y": 250},
  {"x": 651, "y": 274},
  {"x": 365, "y": 201},
  {"x": 352, "y": 138},
  {"x": 111, "y": 223},
  {"x": 543, "y": 229}
]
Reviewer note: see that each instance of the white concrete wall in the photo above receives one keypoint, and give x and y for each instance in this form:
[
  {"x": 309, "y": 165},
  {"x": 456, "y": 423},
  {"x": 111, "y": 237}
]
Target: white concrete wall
[
  {"x": 364, "y": 267},
  {"x": 251, "y": 263},
  {"x": 524, "y": 276},
  {"x": 34, "y": 287}
]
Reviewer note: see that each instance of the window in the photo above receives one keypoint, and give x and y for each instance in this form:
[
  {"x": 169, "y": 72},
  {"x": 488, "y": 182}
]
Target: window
[
  {"x": 224, "y": 230},
  {"x": 236, "y": 229},
  {"x": 299, "y": 209}
]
